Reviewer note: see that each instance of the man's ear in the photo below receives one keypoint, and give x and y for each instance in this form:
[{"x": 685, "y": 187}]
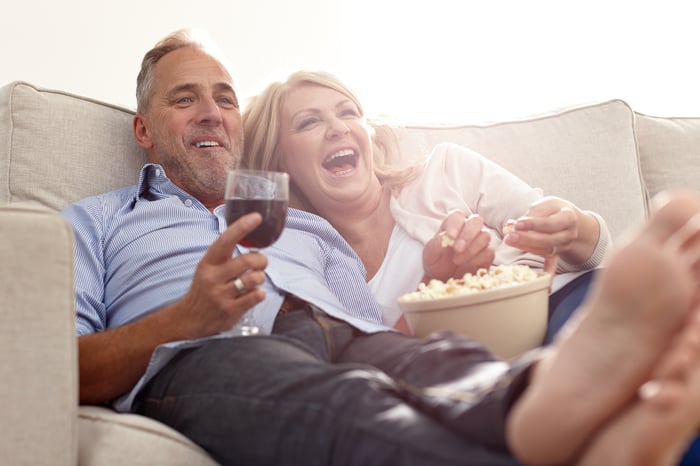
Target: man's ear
[{"x": 141, "y": 132}]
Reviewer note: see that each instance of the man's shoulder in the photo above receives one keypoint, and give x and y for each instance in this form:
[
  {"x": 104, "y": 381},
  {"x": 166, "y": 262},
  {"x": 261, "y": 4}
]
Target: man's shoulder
[
  {"x": 106, "y": 200},
  {"x": 311, "y": 224},
  {"x": 319, "y": 231}
]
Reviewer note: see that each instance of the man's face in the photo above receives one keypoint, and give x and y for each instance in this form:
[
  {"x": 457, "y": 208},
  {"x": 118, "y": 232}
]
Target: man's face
[{"x": 193, "y": 124}]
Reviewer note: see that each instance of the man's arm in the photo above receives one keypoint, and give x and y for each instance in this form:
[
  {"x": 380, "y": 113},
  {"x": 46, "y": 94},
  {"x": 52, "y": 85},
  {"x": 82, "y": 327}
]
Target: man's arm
[{"x": 111, "y": 362}]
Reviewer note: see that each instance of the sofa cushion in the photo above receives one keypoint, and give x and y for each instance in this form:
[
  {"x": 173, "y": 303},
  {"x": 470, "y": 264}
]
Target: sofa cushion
[
  {"x": 61, "y": 147},
  {"x": 108, "y": 438},
  {"x": 669, "y": 152},
  {"x": 561, "y": 152},
  {"x": 38, "y": 354}
]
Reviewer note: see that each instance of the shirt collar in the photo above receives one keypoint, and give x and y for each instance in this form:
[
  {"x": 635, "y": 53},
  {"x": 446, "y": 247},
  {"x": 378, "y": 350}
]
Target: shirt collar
[{"x": 154, "y": 183}]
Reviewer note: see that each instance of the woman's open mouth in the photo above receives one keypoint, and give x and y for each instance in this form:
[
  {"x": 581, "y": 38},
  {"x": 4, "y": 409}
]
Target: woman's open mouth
[{"x": 341, "y": 163}]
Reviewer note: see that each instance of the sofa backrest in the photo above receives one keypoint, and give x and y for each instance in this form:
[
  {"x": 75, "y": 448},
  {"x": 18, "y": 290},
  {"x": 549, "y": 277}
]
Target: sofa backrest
[
  {"x": 57, "y": 147},
  {"x": 586, "y": 154},
  {"x": 669, "y": 151}
]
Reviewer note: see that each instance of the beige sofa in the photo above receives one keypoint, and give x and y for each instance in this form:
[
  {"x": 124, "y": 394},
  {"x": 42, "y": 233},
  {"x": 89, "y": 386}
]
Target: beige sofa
[{"x": 58, "y": 148}]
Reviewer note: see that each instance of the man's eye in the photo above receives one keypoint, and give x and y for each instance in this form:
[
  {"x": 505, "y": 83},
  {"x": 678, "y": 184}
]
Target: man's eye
[
  {"x": 229, "y": 102},
  {"x": 184, "y": 100}
]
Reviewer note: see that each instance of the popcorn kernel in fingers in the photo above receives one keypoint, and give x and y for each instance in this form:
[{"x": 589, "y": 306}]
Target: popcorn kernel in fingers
[
  {"x": 509, "y": 227},
  {"x": 445, "y": 240}
]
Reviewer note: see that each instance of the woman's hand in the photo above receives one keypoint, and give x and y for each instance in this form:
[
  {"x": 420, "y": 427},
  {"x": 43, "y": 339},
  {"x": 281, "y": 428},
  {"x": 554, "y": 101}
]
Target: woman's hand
[
  {"x": 461, "y": 246},
  {"x": 552, "y": 227}
]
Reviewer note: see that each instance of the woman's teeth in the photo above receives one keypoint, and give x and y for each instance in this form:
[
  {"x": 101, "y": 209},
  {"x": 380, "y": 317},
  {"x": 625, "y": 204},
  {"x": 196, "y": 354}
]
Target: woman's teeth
[{"x": 342, "y": 162}]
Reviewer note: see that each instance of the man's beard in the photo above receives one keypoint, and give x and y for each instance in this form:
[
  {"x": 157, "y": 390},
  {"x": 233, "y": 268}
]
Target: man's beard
[{"x": 201, "y": 181}]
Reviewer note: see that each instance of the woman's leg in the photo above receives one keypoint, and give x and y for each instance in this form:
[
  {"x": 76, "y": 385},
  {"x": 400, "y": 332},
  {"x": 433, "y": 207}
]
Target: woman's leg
[
  {"x": 657, "y": 427},
  {"x": 564, "y": 303},
  {"x": 636, "y": 308}
]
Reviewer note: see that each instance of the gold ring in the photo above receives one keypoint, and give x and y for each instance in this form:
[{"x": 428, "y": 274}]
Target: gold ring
[{"x": 240, "y": 287}]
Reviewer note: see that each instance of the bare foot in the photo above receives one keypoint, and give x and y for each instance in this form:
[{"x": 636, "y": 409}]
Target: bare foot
[
  {"x": 656, "y": 428},
  {"x": 634, "y": 311}
]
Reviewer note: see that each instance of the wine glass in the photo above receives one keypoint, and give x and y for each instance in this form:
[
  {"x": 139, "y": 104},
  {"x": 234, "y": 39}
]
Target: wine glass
[{"x": 267, "y": 193}]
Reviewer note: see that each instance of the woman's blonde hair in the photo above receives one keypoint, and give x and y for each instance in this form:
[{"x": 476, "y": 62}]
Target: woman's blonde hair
[{"x": 261, "y": 125}]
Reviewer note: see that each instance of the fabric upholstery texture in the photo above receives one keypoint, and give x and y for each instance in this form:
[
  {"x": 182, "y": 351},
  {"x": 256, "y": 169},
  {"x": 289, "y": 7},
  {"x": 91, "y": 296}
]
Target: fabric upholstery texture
[
  {"x": 108, "y": 438},
  {"x": 586, "y": 154},
  {"x": 670, "y": 152},
  {"x": 61, "y": 147},
  {"x": 38, "y": 362}
]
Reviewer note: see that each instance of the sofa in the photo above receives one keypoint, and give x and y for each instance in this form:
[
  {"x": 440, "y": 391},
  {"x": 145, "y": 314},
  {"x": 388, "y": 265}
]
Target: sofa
[{"x": 58, "y": 147}]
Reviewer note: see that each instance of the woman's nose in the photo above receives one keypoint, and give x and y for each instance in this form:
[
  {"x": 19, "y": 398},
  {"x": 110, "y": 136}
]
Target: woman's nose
[{"x": 337, "y": 127}]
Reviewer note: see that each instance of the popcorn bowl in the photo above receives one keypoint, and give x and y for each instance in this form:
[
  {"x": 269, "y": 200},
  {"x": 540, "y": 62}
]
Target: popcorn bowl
[{"x": 508, "y": 320}]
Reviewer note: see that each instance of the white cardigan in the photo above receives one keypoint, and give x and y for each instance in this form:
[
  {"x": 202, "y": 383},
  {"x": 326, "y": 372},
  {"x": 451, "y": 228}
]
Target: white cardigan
[{"x": 455, "y": 177}]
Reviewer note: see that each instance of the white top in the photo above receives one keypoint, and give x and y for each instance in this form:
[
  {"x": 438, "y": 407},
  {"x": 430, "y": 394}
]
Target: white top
[
  {"x": 400, "y": 273},
  {"x": 455, "y": 177}
]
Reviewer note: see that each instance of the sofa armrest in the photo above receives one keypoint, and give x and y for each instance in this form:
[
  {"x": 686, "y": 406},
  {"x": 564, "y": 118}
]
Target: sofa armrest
[{"x": 38, "y": 350}]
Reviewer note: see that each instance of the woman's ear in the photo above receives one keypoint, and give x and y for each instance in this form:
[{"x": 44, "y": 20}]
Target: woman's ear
[{"x": 141, "y": 132}]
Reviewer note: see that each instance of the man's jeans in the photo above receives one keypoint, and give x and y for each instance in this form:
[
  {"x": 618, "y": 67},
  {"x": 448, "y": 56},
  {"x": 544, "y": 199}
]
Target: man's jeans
[{"x": 319, "y": 392}]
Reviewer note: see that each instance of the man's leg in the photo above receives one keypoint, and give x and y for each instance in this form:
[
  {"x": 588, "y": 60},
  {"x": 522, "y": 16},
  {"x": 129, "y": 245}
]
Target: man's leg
[
  {"x": 276, "y": 400},
  {"x": 453, "y": 379}
]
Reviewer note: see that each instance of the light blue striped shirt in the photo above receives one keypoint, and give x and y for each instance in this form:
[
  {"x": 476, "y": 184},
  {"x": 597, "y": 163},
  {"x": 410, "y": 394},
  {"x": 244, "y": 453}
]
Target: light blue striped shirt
[{"x": 136, "y": 249}]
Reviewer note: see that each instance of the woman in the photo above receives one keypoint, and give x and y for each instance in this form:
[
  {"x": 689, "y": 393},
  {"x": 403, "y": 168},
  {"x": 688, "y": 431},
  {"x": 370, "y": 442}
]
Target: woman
[{"x": 436, "y": 220}]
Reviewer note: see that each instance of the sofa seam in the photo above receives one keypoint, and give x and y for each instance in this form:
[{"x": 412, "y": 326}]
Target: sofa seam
[
  {"x": 640, "y": 171},
  {"x": 10, "y": 137},
  {"x": 522, "y": 120}
]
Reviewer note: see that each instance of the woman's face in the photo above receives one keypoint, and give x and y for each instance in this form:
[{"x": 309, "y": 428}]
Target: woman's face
[{"x": 325, "y": 147}]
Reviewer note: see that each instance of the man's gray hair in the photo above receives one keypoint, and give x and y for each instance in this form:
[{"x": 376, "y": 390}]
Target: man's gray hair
[{"x": 174, "y": 41}]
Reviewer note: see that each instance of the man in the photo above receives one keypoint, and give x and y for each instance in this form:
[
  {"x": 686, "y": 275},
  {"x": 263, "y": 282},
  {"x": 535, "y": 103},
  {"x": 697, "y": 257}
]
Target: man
[{"x": 160, "y": 282}]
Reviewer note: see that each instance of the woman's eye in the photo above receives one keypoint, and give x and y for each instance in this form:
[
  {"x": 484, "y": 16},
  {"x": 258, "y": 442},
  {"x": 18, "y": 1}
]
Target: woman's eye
[
  {"x": 307, "y": 122},
  {"x": 350, "y": 112}
]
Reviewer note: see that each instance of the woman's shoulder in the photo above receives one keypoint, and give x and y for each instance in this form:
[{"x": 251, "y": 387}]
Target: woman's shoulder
[{"x": 449, "y": 156}]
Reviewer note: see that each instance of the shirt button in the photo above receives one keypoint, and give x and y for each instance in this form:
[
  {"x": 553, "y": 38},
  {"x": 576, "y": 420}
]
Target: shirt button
[
  {"x": 158, "y": 172},
  {"x": 188, "y": 202}
]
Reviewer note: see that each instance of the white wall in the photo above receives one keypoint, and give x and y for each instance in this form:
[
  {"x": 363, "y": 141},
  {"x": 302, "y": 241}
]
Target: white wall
[
  {"x": 95, "y": 48},
  {"x": 433, "y": 61}
]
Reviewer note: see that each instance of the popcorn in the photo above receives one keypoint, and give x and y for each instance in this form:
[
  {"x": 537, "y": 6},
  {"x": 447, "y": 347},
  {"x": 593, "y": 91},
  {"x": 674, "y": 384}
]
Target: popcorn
[
  {"x": 501, "y": 276},
  {"x": 446, "y": 241},
  {"x": 509, "y": 227}
]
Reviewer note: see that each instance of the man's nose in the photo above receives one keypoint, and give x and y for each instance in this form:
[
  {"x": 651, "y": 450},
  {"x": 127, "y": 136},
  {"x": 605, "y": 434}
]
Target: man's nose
[{"x": 209, "y": 112}]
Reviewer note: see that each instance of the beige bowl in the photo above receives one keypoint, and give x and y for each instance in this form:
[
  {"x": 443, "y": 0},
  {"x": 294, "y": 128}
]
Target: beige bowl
[{"x": 508, "y": 321}]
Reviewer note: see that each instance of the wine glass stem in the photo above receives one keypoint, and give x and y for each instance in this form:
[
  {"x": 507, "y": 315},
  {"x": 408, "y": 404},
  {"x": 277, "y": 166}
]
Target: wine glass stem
[{"x": 248, "y": 326}]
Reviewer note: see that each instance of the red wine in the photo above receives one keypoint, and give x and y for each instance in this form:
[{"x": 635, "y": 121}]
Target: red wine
[{"x": 274, "y": 214}]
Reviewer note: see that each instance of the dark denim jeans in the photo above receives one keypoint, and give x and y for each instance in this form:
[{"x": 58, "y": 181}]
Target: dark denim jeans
[
  {"x": 565, "y": 302},
  {"x": 318, "y": 392}
]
